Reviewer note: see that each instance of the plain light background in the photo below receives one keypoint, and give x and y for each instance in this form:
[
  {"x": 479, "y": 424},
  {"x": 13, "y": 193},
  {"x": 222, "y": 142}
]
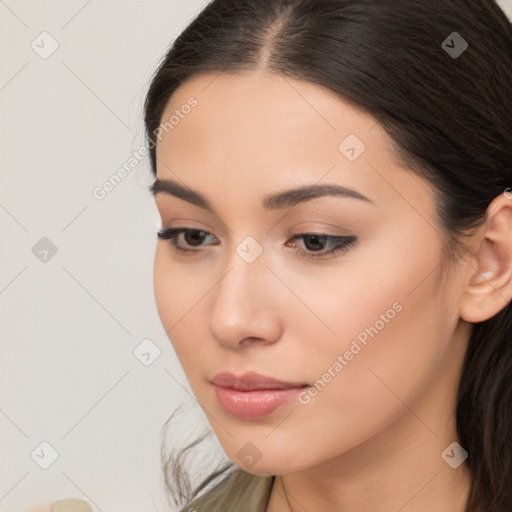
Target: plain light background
[{"x": 72, "y": 317}]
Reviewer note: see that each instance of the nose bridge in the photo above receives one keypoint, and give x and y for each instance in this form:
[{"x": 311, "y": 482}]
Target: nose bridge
[
  {"x": 239, "y": 289},
  {"x": 241, "y": 306},
  {"x": 246, "y": 267}
]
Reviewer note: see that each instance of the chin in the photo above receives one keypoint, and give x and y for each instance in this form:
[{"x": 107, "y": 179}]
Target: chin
[{"x": 268, "y": 465}]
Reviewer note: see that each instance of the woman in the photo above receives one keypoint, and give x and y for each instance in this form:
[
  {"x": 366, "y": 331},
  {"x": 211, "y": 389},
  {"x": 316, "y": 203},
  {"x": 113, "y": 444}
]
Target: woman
[{"x": 334, "y": 268}]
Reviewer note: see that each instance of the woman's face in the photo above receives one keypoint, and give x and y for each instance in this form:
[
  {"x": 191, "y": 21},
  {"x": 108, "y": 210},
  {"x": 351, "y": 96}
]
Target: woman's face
[{"x": 372, "y": 329}]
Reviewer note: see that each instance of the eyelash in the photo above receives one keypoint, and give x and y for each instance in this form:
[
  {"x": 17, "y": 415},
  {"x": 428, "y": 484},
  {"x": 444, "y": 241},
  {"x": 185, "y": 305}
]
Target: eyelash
[{"x": 345, "y": 242}]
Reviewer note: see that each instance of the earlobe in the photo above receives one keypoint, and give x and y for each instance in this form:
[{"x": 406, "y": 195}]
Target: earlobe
[{"x": 489, "y": 284}]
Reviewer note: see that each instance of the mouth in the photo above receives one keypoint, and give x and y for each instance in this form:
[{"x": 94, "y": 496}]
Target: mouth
[
  {"x": 251, "y": 381},
  {"x": 251, "y": 395}
]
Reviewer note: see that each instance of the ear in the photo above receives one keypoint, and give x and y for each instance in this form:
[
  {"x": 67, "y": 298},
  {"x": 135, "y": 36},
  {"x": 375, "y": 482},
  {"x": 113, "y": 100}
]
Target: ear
[{"x": 488, "y": 286}]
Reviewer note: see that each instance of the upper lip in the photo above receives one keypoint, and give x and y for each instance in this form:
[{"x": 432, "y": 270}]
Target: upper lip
[{"x": 250, "y": 381}]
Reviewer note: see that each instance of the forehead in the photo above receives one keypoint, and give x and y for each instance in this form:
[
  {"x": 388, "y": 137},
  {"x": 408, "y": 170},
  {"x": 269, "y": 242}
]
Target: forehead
[
  {"x": 247, "y": 131},
  {"x": 263, "y": 105}
]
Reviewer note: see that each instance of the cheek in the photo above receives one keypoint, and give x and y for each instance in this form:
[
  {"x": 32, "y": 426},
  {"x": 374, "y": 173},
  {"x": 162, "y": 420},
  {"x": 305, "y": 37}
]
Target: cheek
[
  {"x": 395, "y": 366},
  {"x": 385, "y": 294},
  {"x": 392, "y": 331},
  {"x": 166, "y": 286},
  {"x": 179, "y": 292},
  {"x": 174, "y": 293}
]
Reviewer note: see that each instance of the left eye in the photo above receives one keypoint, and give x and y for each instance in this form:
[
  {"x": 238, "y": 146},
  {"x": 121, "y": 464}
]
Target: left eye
[
  {"x": 337, "y": 243},
  {"x": 195, "y": 237}
]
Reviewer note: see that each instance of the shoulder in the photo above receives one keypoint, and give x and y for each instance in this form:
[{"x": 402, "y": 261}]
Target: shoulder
[{"x": 238, "y": 492}]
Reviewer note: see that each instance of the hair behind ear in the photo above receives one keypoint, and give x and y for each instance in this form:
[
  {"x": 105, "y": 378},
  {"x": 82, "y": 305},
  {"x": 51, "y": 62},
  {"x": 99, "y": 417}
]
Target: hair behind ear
[{"x": 484, "y": 412}]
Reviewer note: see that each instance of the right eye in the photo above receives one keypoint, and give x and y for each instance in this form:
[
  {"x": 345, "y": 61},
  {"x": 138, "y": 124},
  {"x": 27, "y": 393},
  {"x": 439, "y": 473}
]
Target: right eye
[{"x": 192, "y": 237}]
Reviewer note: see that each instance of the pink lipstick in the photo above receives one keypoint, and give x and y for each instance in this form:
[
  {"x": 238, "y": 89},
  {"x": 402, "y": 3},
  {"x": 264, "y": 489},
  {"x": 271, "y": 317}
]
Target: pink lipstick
[{"x": 252, "y": 395}]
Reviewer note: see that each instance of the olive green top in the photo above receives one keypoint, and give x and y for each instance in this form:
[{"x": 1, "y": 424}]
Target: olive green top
[{"x": 238, "y": 492}]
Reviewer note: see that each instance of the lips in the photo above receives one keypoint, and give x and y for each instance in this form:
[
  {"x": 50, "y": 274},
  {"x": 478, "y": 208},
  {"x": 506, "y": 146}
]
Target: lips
[
  {"x": 251, "y": 381},
  {"x": 251, "y": 395}
]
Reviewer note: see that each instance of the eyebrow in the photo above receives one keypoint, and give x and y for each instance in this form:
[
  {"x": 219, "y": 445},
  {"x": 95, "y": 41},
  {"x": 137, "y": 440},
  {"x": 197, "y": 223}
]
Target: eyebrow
[{"x": 274, "y": 201}]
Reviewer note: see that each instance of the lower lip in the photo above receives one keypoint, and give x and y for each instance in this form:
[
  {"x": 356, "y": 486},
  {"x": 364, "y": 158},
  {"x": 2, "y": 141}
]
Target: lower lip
[{"x": 254, "y": 404}]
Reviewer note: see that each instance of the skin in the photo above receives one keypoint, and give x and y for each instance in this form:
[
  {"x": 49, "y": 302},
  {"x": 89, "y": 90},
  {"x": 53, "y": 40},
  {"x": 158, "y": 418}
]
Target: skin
[{"x": 372, "y": 438}]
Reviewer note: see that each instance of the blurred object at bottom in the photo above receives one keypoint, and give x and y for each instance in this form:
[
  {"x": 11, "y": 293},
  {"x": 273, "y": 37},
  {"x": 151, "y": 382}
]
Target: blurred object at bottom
[{"x": 71, "y": 505}]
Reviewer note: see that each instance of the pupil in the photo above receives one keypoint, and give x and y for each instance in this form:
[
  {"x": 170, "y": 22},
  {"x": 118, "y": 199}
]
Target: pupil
[
  {"x": 314, "y": 237},
  {"x": 193, "y": 235}
]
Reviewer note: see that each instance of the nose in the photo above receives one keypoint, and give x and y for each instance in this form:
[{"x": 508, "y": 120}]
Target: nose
[{"x": 246, "y": 305}]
